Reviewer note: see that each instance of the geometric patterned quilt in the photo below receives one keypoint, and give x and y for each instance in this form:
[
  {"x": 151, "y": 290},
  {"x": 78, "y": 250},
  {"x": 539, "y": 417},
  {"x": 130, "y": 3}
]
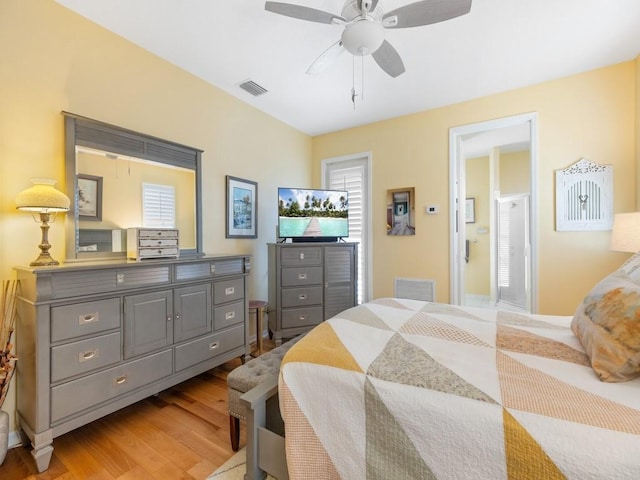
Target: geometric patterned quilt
[{"x": 404, "y": 389}]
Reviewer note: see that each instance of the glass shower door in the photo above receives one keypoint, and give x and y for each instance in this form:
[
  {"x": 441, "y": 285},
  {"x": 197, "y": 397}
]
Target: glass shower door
[{"x": 513, "y": 251}]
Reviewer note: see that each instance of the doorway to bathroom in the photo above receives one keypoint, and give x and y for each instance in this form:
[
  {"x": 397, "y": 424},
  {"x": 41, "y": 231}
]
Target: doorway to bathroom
[{"x": 493, "y": 169}]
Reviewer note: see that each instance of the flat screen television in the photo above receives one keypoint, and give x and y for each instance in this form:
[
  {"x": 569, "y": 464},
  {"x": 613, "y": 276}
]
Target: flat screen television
[{"x": 308, "y": 215}]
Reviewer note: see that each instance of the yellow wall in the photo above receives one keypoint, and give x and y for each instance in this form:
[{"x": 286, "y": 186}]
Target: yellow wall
[
  {"x": 477, "y": 271},
  {"x": 591, "y": 115},
  {"x": 52, "y": 60}
]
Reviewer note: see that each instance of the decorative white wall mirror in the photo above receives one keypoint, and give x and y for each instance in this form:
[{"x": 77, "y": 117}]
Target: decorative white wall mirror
[{"x": 584, "y": 197}]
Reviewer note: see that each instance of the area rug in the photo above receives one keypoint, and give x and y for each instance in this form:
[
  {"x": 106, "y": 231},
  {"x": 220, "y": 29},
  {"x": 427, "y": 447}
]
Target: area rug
[{"x": 233, "y": 469}]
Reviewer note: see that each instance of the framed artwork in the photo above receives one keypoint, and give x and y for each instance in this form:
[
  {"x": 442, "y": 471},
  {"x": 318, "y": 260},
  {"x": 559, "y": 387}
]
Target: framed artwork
[
  {"x": 401, "y": 212},
  {"x": 470, "y": 210},
  {"x": 242, "y": 205},
  {"x": 89, "y": 197}
]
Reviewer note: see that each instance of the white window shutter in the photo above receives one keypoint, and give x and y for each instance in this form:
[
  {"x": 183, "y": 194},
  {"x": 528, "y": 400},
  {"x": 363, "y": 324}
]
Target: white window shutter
[
  {"x": 158, "y": 206},
  {"x": 352, "y": 179}
]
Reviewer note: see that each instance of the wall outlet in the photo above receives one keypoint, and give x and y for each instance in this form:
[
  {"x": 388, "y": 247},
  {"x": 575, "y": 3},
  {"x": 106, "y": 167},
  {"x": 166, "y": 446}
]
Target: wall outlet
[{"x": 431, "y": 209}]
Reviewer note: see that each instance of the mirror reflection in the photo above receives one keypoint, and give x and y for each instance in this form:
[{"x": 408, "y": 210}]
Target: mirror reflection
[{"x": 117, "y": 191}]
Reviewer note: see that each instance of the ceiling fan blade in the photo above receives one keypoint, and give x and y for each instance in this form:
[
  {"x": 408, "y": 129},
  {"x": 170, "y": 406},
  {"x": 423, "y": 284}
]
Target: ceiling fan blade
[
  {"x": 425, "y": 12},
  {"x": 326, "y": 58},
  {"x": 389, "y": 59},
  {"x": 367, "y": 6},
  {"x": 303, "y": 13}
]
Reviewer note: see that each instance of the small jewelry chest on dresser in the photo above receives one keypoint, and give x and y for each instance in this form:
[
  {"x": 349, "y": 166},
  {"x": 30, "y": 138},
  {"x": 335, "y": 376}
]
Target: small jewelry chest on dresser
[
  {"x": 152, "y": 243},
  {"x": 95, "y": 337}
]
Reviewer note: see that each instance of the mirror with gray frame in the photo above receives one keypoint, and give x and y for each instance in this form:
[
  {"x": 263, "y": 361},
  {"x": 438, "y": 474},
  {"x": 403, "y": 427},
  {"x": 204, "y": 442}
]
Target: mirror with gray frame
[{"x": 111, "y": 173}]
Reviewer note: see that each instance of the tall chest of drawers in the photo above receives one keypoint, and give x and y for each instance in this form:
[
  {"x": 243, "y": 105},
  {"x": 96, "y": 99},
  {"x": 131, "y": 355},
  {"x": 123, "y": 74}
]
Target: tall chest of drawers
[
  {"x": 95, "y": 337},
  {"x": 309, "y": 283}
]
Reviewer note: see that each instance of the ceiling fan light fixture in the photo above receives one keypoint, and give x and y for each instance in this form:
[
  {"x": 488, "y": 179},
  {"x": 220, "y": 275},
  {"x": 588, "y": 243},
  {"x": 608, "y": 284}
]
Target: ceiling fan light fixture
[{"x": 363, "y": 37}]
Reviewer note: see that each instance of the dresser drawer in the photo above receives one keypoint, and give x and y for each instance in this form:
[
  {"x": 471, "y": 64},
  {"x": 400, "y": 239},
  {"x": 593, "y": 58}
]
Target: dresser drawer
[
  {"x": 299, "y": 297},
  {"x": 158, "y": 242},
  {"x": 228, "y": 315},
  {"x": 300, "y": 256},
  {"x": 79, "y": 319},
  {"x": 157, "y": 233},
  {"x": 228, "y": 291},
  {"x": 301, "y": 317},
  {"x": 78, "y": 395},
  {"x": 85, "y": 355},
  {"x": 294, "y": 277},
  {"x": 208, "y": 347},
  {"x": 158, "y": 252}
]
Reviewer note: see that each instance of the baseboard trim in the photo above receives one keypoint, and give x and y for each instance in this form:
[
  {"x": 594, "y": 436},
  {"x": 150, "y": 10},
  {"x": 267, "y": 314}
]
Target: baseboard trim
[{"x": 14, "y": 439}]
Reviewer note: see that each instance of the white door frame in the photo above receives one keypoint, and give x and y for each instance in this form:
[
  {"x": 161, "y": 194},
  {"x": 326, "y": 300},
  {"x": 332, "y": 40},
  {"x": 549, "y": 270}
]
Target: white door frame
[{"x": 457, "y": 190}]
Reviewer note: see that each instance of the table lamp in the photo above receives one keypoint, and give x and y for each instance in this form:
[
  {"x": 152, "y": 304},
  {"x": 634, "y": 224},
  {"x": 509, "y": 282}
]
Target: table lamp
[
  {"x": 625, "y": 236},
  {"x": 44, "y": 199}
]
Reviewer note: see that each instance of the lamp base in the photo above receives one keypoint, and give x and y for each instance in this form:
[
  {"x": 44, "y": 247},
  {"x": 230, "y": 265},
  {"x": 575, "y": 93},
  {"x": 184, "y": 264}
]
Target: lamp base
[{"x": 43, "y": 260}]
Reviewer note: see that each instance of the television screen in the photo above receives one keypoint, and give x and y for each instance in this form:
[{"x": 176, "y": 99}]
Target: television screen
[{"x": 305, "y": 213}]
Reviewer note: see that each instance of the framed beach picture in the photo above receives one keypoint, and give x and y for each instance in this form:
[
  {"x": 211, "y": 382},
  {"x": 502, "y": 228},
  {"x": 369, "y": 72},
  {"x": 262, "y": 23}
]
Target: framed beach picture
[
  {"x": 89, "y": 197},
  {"x": 242, "y": 205}
]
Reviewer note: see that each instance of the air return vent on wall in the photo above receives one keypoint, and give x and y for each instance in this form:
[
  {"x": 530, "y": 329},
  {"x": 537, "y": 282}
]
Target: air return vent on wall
[
  {"x": 252, "y": 87},
  {"x": 415, "y": 289}
]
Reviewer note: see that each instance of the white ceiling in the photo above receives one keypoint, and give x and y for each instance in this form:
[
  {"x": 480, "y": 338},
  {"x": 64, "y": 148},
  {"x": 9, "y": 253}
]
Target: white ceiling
[{"x": 500, "y": 45}]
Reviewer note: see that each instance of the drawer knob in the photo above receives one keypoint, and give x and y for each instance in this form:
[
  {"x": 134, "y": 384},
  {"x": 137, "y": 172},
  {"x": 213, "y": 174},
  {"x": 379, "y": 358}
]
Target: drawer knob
[
  {"x": 302, "y": 296},
  {"x": 214, "y": 345},
  {"x": 120, "y": 380},
  {"x": 229, "y": 290},
  {"x": 301, "y": 255},
  {"x": 303, "y": 317},
  {"x": 230, "y": 315},
  {"x": 88, "y": 318},
  {"x": 88, "y": 355},
  {"x": 302, "y": 276}
]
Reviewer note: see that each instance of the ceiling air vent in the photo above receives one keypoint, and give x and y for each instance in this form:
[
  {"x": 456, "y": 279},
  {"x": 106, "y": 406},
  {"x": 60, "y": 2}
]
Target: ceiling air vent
[{"x": 253, "y": 88}]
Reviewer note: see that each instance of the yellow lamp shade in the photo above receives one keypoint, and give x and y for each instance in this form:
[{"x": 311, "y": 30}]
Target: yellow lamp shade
[{"x": 42, "y": 197}]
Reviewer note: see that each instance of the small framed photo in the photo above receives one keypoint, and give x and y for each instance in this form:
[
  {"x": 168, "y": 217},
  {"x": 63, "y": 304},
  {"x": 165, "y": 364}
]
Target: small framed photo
[
  {"x": 89, "y": 197},
  {"x": 470, "y": 210},
  {"x": 242, "y": 205}
]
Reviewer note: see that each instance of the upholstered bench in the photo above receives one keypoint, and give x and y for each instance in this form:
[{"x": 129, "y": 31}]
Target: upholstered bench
[{"x": 245, "y": 377}]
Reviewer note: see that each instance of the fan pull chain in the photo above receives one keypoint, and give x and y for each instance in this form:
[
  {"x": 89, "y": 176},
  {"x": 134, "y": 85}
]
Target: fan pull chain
[
  {"x": 353, "y": 81},
  {"x": 362, "y": 79}
]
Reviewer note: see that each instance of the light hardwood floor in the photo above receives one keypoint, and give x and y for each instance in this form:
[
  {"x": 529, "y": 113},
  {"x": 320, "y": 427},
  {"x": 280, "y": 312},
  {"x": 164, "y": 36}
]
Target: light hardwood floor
[{"x": 181, "y": 433}]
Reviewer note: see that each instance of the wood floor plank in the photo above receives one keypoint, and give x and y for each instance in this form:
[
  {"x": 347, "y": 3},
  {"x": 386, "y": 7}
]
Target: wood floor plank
[
  {"x": 163, "y": 443},
  {"x": 135, "y": 446}
]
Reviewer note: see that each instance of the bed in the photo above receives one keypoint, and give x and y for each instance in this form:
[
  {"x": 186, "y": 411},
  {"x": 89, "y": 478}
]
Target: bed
[{"x": 404, "y": 389}]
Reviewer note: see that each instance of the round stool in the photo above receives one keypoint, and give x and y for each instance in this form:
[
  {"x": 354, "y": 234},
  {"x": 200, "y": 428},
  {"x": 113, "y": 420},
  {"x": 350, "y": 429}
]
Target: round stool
[{"x": 259, "y": 307}]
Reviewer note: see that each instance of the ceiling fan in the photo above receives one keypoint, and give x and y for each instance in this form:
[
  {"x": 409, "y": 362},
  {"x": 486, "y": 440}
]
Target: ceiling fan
[{"x": 364, "y": 27}]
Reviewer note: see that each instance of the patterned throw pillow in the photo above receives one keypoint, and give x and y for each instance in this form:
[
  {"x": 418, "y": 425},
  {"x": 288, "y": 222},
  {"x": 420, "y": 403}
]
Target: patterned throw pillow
[{"x": 608, "y": 324}]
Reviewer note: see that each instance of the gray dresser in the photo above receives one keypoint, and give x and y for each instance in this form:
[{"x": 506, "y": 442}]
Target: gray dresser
[
  {"x": 309, "y": 283},
  {"x": 95, "y": 337}
]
